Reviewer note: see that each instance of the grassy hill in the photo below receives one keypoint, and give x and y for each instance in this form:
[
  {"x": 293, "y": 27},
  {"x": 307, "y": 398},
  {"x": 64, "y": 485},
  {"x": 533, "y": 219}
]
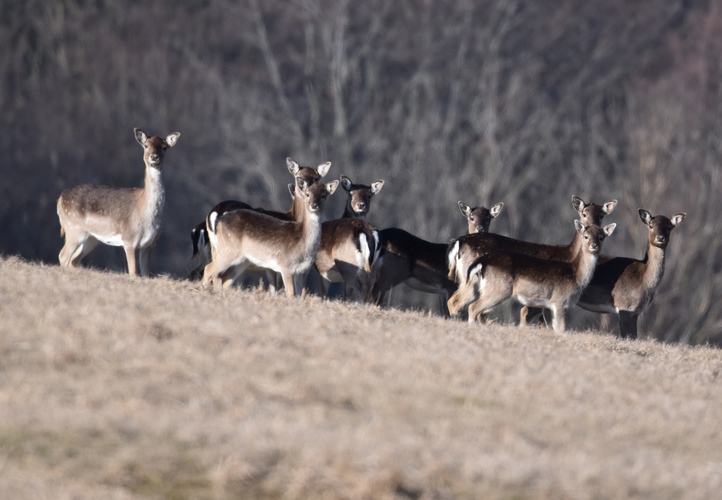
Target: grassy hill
[{"x": 120, "y": 387}]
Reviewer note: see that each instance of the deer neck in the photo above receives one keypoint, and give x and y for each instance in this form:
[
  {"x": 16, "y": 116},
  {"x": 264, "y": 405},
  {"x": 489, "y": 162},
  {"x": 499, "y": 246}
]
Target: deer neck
[
  {"x": 584, "y": 265},
  {"x": 153, "y": 193},
  {"x": 653, "y": 266},
  {"x": 350, "y": 214}
]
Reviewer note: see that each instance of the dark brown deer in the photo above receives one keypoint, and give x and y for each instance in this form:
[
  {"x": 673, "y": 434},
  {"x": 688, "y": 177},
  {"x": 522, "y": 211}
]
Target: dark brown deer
[
  {"x": 350, "y": 246},
  {"x": 626, "y": 286},
  {"x": 534, "y": 282},
  {"x": 479, "y": 218},
  {"x": 418, "y": 263},
  {"x": 127, "y": 217},
  {"x": 244, "y": 237}
]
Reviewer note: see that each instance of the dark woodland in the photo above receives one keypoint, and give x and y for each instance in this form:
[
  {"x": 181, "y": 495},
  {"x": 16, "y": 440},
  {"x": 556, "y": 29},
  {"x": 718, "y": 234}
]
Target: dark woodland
[{"x": 483, "y": 101}]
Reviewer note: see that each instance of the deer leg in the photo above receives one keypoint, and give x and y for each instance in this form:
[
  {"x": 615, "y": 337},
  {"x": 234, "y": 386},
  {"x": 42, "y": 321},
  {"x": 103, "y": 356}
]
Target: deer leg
[
  {"x": 559, "y": 318},
  {"x": 130, "y": 257},
  {"x": 288, "y": 284},
  {"x": 144, "y": 260},
  {"x": 628, "y": 325}
]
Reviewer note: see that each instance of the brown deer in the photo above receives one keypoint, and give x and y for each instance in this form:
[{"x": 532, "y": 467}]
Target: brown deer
[
  {"x": 201, "y": 238},
  {"x": 418, "y": 263},
  {"x": 244, "y": 237},
  {"x": 626, "y": 286},
  {"x": 466, "y": 249},
  {"x": 479, "y": 218},
  {"x": 127, "y": 217},
  {"x": 350, "y": 246},
  {"x": 535, "y": 282}
]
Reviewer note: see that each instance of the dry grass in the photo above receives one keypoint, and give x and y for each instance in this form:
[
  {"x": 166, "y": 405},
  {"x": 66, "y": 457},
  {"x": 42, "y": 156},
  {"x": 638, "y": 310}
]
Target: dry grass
[{"x": 120, "y": 387}]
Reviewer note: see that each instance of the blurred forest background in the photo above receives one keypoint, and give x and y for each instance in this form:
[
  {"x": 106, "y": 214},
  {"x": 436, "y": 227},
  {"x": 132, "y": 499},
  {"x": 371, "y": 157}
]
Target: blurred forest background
[{"x": 484, "y": 101}]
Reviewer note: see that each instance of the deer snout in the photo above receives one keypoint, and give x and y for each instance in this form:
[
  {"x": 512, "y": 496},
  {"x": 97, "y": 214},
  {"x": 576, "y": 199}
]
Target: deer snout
[
  {"x": 361, "y": 206},
  {"x": 154, "y": 159},
  {"x": 660, "y": 239},
  {"x": 594, "y": 247},
  {"x": 314, "y": 207}
]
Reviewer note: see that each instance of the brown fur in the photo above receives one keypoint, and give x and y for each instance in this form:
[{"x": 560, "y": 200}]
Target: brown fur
[
  {"x": 627, "y": 286},
  {"x": 127, "y": 217},
  {"x": 532, "y": 281}
]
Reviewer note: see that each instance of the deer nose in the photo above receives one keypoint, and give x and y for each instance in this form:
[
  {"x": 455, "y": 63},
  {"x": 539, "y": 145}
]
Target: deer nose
[
  {"x": 314, "y": 207},
  {"x": 594, "y": 246},
  {"x": 361, "y": 206},
  {"x": 660, "y": 239},
  {"x": 154, "y": 158}
]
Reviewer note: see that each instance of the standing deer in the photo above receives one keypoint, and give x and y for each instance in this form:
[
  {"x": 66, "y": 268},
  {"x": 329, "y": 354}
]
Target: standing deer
[
  {"x": 535, "y": 282},
  {"x": 466, "y": 249},
  {"x": 127, "y": 217},
  {"x": 201, "y": 238},
  {"x": 244, "y": 237},
  {"x": 625, "y": 286},
  {"x": 418, "y": 263},
  {"x": 350, "y": 246}
]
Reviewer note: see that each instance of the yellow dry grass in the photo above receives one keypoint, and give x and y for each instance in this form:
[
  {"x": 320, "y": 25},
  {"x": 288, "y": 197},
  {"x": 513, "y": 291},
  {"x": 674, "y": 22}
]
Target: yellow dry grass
[{"x": 120, "y": 387}]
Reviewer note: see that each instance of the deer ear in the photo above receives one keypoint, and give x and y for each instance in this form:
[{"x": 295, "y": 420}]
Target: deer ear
[
  {"x": 644, "y": 215},
  {"x": 496, "y": 209},
  {"x": 140, "y": 136},
  {"x": 578, "y": 203},
  {"x": 293, "y": 167},
  {"x": 376, "y": 186},
  {"x": 609, "y": 228},
  {"x": 475, "y": 270},
  {"x": 579, "y": 227},
  {"x": 346, "y": 183},
  {"x": 678, "y": 218},
  {"x": 292, "y": 190},
  {"x": 465, "y": 209},
  {"x": 608, "y": 207},
  {"x": 301, "y": 183},
  {"x": 331, "y": 186},
  {"x": 323, "y": 168}
]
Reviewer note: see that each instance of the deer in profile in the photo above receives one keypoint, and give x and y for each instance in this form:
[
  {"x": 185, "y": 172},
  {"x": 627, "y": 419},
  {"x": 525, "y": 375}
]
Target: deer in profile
[
  {"x": 242, "y": 238},
  {"x": 350, "y": 246},
  {"x": 421, "y": 264},
  {"x": 127, "y": 217},
  {"x": 626, "y": 286},
  {"x": 201, "y": 238},
  {"x": 532, "y": 281},
  {"x": 465, "y": 250}
]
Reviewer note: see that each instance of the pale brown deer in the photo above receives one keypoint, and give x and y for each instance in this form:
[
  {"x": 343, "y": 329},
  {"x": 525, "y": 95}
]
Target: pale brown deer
[
  {"x": 127, "y": 217},
  {"x": 626, "y": 286},
  {"x": 201, "y": 238},
  {"x": 350, "y": 246},
  {"x": 531, "y": 281},
  {"x": 244, "y": 237},
  {"x": 479, "y": 218}
]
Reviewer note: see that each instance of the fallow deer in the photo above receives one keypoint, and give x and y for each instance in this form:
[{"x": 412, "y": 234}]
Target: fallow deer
[
  {"x": 626, "y": 286},
  {"x": 535, "y": 282},
  {"x": 479, "y": 218},
  {"x": 127, "y": 217},
  {"x": 468, "y": 248},
  {"x": 418, "y": 263},
  {"x": 200, "y": 236},
  {"x": 244, "y": 237},
  {"x": 350, "y": 246}
]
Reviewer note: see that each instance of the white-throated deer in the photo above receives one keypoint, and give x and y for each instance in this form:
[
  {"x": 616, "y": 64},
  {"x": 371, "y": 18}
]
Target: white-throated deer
[
  {"x": 626, "y": 286},
  {"x": 127, "y": 217},
  {"x": 418, "y": 263},
  {"x": 350, "y": 246},
  {"x": 535, "y": 282},
  {"x": 466, "y": 249},
  {"x": 244, "y": 237},
  {"x": 479, "y": 218},
  {"x": 201, "y": 239}
]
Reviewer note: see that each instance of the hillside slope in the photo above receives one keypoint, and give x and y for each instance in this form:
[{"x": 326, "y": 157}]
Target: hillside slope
[{"x": 120, "y": 387}]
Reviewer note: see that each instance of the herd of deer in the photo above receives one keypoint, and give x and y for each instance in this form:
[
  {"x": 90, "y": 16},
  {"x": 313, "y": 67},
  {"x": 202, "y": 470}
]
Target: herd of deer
[{"x": 476, "y": 272}]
